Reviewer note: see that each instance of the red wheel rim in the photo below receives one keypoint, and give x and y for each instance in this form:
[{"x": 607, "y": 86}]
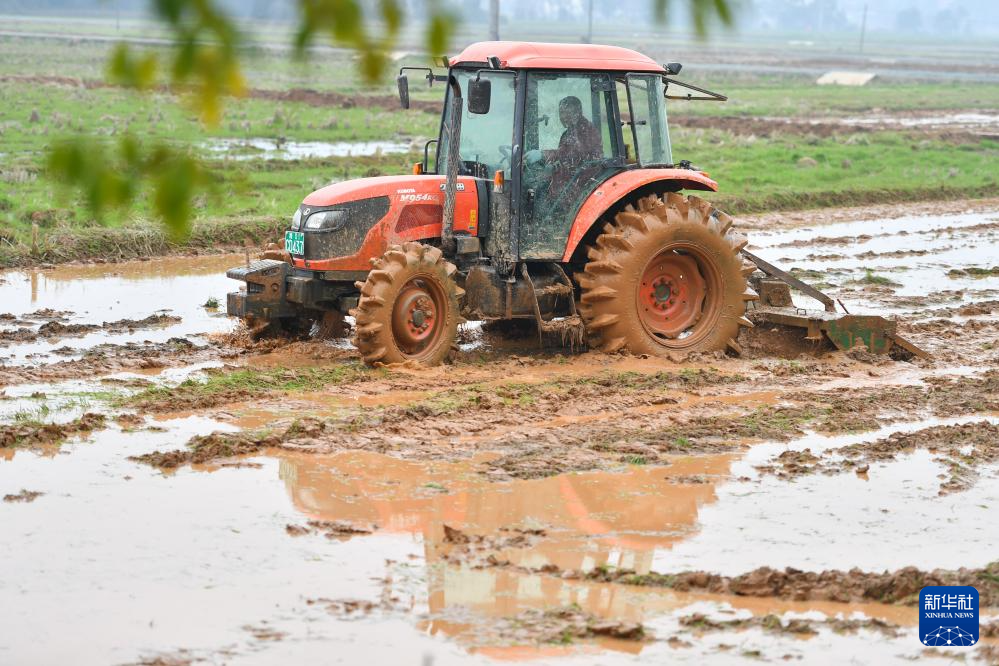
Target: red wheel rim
[
  {"x": 673, "y": 295},
  {"x": 417, "y": 316}
]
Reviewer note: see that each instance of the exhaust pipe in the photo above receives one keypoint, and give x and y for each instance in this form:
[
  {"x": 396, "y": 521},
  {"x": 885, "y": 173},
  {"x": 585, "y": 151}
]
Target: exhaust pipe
[{"x": 453, "y": 156}]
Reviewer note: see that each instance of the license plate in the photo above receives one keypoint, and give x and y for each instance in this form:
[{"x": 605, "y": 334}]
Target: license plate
[{"x": 294, "y": 242}]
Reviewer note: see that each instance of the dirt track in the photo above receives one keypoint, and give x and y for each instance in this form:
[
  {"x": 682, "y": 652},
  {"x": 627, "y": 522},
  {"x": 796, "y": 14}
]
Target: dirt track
[{"x": 516, "y": 501}]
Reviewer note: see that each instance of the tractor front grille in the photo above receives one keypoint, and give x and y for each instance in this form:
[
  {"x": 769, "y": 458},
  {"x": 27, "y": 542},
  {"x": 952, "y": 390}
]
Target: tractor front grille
[{"x": 345, "y": 241}]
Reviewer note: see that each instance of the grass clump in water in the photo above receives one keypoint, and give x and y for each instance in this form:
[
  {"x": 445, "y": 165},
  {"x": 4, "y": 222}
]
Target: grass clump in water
[{"x": 870, "y": 277}]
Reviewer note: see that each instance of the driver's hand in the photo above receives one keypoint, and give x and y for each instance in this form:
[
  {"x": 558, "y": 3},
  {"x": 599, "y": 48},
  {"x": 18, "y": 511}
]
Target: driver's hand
[{"x": 534, "y": 156}]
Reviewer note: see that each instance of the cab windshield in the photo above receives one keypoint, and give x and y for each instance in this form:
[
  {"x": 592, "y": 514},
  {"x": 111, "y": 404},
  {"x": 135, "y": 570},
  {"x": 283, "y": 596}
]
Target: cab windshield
[{"x": 486, "y": 139}]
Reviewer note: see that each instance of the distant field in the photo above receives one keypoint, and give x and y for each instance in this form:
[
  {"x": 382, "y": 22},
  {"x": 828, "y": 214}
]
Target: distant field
[
  {"x": 779, "y": 171},
  {"x": 806, "y": 100}
]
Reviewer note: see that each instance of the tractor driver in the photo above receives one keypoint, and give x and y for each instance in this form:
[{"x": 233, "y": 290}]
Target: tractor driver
[{"x": 579, "y": 142}]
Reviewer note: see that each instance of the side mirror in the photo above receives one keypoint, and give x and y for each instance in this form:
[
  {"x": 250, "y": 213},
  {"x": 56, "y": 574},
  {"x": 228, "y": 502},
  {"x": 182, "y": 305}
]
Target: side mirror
[
  {"x": 673, "y": 68},
  {"x": 479, "y": 96},
  {"x": 403, "y": 81}
]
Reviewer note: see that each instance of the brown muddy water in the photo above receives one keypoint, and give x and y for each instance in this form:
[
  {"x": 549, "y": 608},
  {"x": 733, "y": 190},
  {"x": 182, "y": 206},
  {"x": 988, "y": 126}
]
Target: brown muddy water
[{"x": 427, "y": 538}]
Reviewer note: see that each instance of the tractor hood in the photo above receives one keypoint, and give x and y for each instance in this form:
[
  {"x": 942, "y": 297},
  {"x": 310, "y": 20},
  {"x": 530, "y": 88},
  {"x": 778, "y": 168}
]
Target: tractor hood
[
  {"x": 366, "y": 188},
  {"x": 377, "y": 213}
]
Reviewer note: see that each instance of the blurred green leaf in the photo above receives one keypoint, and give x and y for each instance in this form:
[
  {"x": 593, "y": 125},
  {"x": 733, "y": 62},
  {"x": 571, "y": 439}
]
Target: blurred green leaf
[
  {"x": 439, "y": 32},
  {"x": 392, "y": 15},
  {"x": 204, "y": 59},
  {"x": 702, "y": 13},
  {"x": 130, "y": 70},
  {"x": 345, "y": 23},
  {"x": 177, "y": 179}
]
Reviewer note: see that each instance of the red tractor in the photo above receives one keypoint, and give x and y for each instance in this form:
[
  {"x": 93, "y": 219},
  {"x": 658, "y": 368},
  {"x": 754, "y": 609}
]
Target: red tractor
[{"x": 553, "y": 195}]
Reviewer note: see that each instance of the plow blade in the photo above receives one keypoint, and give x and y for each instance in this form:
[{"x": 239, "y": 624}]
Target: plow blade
[{"x": 843, "y": 330}]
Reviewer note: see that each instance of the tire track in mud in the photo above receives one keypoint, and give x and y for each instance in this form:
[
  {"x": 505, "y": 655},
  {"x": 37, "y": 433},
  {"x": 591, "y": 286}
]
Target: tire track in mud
[{"x": 653, "y": 416}]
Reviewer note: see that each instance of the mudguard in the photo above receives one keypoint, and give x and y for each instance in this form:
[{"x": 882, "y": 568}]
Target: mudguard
[{"x": 622, "y": 184}]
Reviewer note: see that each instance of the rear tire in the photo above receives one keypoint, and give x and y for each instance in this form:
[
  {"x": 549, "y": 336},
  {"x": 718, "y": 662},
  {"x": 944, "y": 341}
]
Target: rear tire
[
  {"x": 408, "y": 309},
  {"x": 666, "y": 276}
]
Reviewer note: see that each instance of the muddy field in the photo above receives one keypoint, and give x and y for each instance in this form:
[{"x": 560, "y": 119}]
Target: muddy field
[{"x": 174, "y": 494}]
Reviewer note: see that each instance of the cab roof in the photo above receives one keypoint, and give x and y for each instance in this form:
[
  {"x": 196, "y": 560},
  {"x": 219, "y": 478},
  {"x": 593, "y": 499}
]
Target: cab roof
[{"x": 541, "y": 55}]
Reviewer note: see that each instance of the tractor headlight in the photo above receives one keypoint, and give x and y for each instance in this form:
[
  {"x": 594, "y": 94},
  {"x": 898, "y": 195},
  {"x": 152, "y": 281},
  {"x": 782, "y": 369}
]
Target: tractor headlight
[
  {"x": 326, "y": 220},
  {"x": 296, "y": 220}
]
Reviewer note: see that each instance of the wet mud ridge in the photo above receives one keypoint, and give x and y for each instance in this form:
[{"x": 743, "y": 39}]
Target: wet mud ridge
[
  {"x": 26, "y": 434},
  {"x": 962, "y": 449},
  {"x": 55, "y": 327},
  {"x": 515, "y": 502},
  {"x": 108, "y": 358}
]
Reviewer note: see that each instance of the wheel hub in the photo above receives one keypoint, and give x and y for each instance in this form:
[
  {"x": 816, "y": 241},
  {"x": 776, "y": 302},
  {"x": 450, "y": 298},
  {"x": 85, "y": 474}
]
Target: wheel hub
[
  {"x": 662, "y": 290},
  {"x": 415, "y": 320},
  {"x": 671, "y": 294}
]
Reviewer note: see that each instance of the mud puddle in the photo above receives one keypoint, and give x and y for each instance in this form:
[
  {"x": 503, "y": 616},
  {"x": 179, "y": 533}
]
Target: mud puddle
[
  {"x": 272, "y": 149},
  {"x": 829, "y": 522},
  {"x": 906, "y": 263},
  {"x": 88, "y": 299},
  {"x": 963, "y": 120},
  {"x": 241, "y": 586}
]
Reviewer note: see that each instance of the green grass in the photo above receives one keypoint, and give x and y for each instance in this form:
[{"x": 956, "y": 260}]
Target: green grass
[
  {"x": 974, "y": 271},
  {"x": 32, "y": 417},
  {"x": 252, "y": 199},
  {"x": 872, "y": 278},
  {"x": 463, "y": 398},
  {"x": 247, "y": 383},
  {"x": 243, "y": 189},
  {"x": 759, "y": 175}
]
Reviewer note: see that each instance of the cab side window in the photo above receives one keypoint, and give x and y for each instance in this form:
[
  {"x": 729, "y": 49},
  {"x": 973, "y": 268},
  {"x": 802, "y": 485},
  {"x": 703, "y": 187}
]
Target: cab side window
[{"x": 571, "y": 140}]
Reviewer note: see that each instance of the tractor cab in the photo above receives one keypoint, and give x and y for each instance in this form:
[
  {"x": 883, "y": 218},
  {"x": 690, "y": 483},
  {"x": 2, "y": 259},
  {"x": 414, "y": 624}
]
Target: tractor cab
[{"x": 552, "y": 122}]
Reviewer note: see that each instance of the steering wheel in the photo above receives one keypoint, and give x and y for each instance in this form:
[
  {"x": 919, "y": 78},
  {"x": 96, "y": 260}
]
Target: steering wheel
[
  {"x": 505, "y": 151},
  {"x": 584, "y": 169}
]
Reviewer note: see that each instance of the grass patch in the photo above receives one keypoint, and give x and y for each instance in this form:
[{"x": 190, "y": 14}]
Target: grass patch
[
  {"x": 134, "y": 241},
  {"x": 870, "y": 277},
  {"x": 973, "y": 271},
  {"x": 473, "y": 396},
  {"x": 223, "y": 387}
]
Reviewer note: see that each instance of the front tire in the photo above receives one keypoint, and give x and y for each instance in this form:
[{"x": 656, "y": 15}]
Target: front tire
[
  {"x": 666, "y": 277},
  {"x": 409, "y": 307}
]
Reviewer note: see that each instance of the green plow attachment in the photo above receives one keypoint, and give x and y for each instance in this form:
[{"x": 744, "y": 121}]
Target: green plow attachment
[{"x": 842, "y": 329}]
